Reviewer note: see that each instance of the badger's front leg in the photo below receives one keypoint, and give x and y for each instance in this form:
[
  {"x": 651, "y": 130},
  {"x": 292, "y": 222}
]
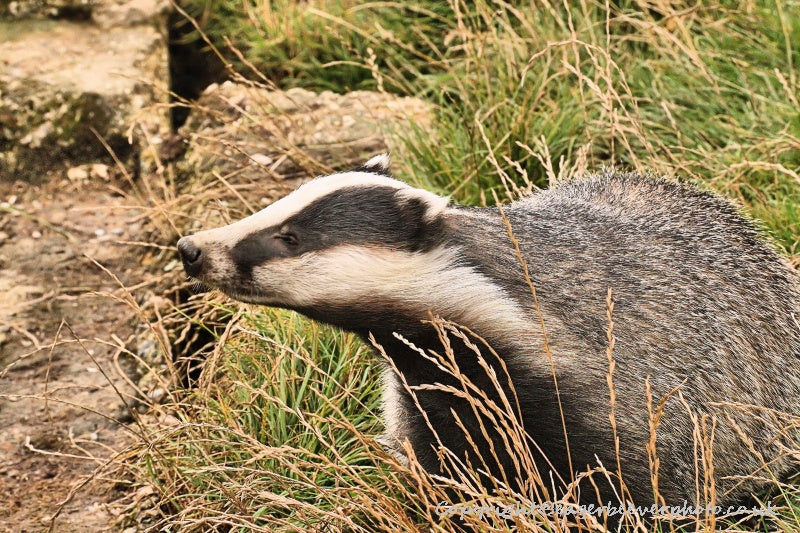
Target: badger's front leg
[
  {"x": 392, "y": 446},
  {"x": 394, "y": 412}
]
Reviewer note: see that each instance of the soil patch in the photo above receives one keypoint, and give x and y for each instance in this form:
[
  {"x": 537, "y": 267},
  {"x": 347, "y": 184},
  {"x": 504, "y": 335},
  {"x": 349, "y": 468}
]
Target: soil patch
[{"x": 61, "y": 335}]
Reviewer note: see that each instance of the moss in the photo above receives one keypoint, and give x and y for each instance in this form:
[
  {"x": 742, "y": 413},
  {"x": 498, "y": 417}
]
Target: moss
[{"x": 41, "y": 132}]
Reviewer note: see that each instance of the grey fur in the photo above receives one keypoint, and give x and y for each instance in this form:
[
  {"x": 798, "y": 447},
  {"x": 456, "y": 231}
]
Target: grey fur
[{"x": 701, "y": 305}]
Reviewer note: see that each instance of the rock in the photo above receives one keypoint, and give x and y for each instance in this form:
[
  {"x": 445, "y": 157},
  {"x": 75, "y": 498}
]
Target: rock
[
  {"x": 249, "y": 133},
  {"x": 261, "y": 159},
  {"x": 130, "y": 12},
  {"x": 71, "y": 91},
  {"x": 107, "y": 13},
  {"x": 99, "y": 171},
  {"x": 157, "y": 395},
  {"x": 147, "y": 351},
  {"x": 57, "y": 9},
  {"x": 77, "y": 174},
  {"x": 94, "y": 171}
]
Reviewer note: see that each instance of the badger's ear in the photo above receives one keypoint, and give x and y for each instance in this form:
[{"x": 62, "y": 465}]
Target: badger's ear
[
  {"x": 429, "y": 204},
  {"x": 376, "y": 165}
]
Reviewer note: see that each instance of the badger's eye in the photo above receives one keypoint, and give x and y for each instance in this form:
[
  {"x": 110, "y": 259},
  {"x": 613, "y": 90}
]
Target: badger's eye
[{"x": 287, "y": 237}]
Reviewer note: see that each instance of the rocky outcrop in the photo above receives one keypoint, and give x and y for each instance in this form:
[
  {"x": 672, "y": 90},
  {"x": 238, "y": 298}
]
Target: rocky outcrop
[
  {"x": 73, "y": 91},
  {"x": 254, "y": 134}
]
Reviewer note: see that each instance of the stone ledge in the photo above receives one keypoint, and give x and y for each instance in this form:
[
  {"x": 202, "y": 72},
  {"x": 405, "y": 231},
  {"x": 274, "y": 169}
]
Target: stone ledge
[
  {"x": 63, "y": 84},
  {"x": 251, "y": 134}
]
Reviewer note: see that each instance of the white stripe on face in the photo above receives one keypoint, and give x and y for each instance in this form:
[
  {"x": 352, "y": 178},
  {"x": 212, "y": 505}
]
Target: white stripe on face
[
  {"x": 278, "y": 212},
  {"x": 355, "y": 276}
]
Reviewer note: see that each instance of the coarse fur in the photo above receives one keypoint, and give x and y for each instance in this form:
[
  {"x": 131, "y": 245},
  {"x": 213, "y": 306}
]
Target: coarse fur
[{"x": 705, "y": 314}]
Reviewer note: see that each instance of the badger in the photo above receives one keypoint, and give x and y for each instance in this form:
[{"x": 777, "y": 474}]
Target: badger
[{"x": 654, "y": 291}]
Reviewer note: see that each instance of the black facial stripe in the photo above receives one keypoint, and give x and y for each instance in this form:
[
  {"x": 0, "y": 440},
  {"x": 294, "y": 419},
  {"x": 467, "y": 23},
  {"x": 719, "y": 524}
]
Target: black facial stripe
[
  {"x": 374, "y": 216},
  {"x": 258, "y": 248}
]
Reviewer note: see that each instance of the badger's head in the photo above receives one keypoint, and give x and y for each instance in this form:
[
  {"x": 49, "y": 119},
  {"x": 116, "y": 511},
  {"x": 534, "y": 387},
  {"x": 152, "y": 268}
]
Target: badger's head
[{"x": 338, "y": 241}]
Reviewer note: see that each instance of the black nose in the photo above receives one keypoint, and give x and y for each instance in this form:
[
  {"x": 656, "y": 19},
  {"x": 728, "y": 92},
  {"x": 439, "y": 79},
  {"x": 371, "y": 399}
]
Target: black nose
[{"x": 191, "y": 255}]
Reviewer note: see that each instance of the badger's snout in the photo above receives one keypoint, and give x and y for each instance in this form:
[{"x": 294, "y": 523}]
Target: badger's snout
[{"x": 191, "y": 255}]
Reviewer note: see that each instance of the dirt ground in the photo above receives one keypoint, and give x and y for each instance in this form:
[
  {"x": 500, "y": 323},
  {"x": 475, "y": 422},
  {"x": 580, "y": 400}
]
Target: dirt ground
[{"x": 60, "y": 334}]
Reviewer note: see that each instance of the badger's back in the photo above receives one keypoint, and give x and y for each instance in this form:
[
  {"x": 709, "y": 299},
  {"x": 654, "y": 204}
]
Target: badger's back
[{"x": 703, "y": 309}]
